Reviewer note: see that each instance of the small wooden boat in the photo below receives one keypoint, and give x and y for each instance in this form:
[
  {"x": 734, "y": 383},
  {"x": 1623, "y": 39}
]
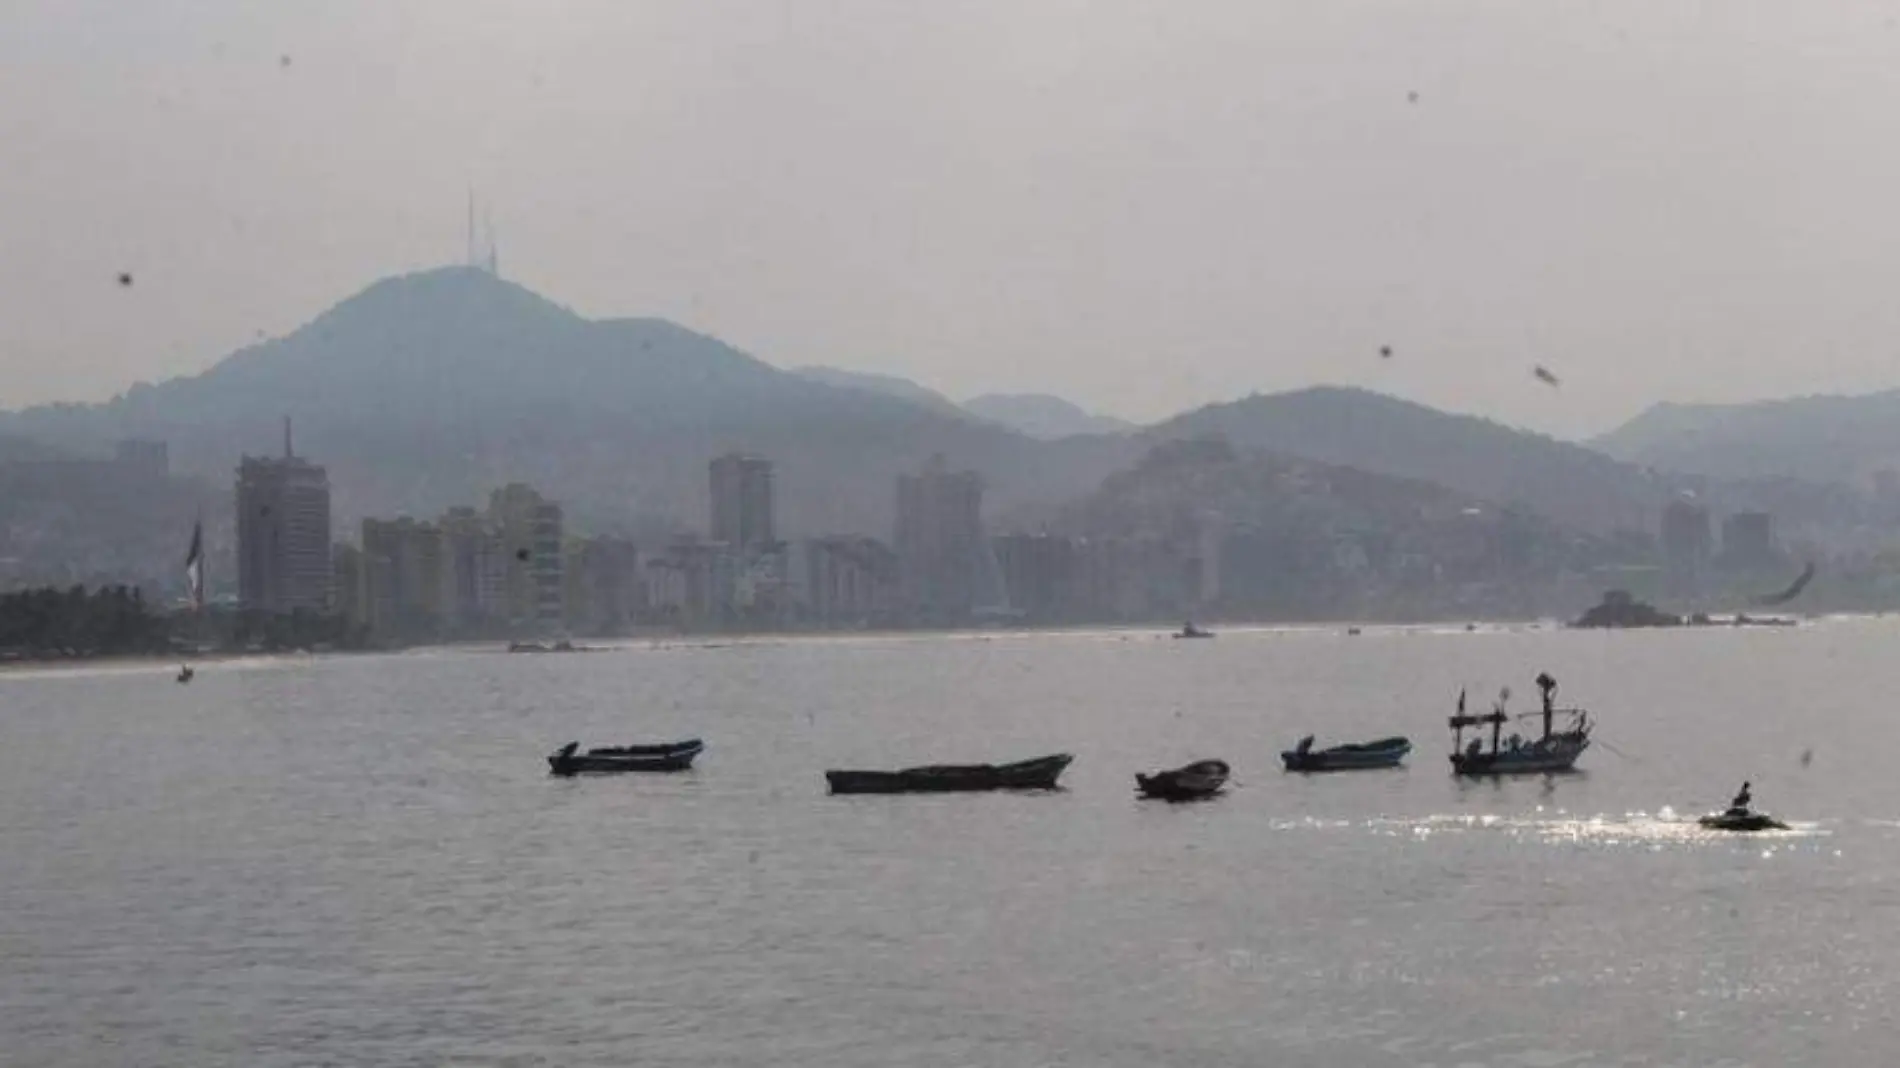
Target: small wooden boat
[
  {"x": 1193, "y": 782},
  {"x": 1741, "y": 820},
  {"x": 185, "y": 674},
  {"x": 1189, "y": 630},
  {"x": 1384, "y": 753},
  {"x": 1038, "y": 774},
  {"x": 670, "y": 756}
]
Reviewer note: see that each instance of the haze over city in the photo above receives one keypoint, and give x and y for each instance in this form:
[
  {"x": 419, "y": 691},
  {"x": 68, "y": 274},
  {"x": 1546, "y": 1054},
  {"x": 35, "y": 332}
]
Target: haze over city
[
  {"x": 501, "y": 500},
  {"x": 1140, "y": 207}
]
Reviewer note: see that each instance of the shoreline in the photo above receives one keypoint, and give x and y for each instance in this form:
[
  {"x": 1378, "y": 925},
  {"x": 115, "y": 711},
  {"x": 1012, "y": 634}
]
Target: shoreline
[{"x": 130, "y": 662}]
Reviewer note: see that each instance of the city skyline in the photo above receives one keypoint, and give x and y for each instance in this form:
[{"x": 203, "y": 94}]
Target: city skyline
[{"x": 515, "y": 569}]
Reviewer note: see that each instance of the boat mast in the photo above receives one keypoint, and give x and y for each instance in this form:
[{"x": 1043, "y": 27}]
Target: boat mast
[{"x": 1549, "y": 686}]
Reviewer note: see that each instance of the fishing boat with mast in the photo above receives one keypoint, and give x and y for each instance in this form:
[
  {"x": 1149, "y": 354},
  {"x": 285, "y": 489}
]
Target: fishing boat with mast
[{"x": 1556, "y": 750}]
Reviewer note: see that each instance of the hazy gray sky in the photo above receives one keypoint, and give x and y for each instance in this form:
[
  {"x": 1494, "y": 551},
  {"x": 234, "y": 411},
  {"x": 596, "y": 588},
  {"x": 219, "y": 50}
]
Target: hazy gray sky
[{"x": 1144, "y": 206}]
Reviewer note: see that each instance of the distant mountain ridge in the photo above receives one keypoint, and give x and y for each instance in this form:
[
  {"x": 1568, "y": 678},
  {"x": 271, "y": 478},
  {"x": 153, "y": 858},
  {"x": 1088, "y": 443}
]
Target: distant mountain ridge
[
  {"x": 886, "y": 385},
  {"x": 1826, "y": 438},
  {"x": 1038, "y": 415},
  {"x": 1374, "y": 432},
  {"x": 427, "y": 390},
  {"x": 1042, "y": 415}
]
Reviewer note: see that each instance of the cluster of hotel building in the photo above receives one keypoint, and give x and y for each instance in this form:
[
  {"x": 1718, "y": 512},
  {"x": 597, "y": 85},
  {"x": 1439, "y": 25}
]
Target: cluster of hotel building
[{"x": 513, "y": 568}]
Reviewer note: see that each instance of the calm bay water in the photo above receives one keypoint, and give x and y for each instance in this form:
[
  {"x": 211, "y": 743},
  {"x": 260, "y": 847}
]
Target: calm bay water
[{"x": 363, "y": 861}]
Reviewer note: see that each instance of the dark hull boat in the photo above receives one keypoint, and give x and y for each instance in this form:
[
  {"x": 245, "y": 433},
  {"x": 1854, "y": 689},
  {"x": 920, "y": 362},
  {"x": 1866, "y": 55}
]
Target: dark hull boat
[
  {"x": 1384, "y": 753},
  {"x": 671, "y": 756},
  {"x": 1194, "y": 782},
  {"x": 1559, "y": 753},
  {"x": 1038, "y": 774},
  {"x": 1741, "y": 820},
  {"x": 1554, "y": 750}
]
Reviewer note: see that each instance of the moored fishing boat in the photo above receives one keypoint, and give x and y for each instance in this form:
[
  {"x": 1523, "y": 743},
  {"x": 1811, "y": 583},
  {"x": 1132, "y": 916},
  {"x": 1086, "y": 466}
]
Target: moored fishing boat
[
  {"x": 1189, "y": 630},
  {"x": 1038, "y": 774},
  {"x": 1191, "y": 782},
  {"x": 1384, "y": 753},
  {"x": 1555, "y": 750},
  {"x": 669, "y": 756}
]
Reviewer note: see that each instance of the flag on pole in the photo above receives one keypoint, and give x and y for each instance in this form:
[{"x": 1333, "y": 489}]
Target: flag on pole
[{"x": 195, "y": 565}]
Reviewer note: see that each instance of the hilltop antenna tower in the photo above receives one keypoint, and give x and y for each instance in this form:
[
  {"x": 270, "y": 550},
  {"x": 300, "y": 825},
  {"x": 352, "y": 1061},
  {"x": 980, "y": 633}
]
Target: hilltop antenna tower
[
  {"x": 482, "y": 252},
  {"x": 469, "y": 258},
  {"x": 492, "y": 261}
]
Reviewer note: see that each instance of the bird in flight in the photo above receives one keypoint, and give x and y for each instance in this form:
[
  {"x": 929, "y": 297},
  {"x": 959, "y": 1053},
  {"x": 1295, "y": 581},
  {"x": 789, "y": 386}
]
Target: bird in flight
[{"x": 1543, "y": 375}]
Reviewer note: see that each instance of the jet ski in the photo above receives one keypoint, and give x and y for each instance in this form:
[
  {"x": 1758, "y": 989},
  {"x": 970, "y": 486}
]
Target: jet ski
[{"x": 1741, "y": 819}]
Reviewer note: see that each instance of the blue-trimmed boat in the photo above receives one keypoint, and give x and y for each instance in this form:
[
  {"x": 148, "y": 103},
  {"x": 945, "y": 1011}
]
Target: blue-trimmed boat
[{"x": 1359, "y": 756}]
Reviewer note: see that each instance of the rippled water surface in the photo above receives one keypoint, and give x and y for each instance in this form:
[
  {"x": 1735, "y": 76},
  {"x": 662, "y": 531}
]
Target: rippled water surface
[{"x": 363, "y": 861}]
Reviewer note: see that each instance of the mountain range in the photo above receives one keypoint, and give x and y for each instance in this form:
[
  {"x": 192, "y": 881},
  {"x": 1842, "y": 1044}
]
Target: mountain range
[
  {"x": 1038, "y": 415},
  {"x": 427, "y": 390},
  {"x": 1824, "y": 438}
]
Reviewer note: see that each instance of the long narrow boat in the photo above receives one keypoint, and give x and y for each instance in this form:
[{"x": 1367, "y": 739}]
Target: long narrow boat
[
  {"x": 1038, "y": 774},
  {"x": 1384, "y": 753},
  {"x": 1193, "y": 782},
  {"x": 669, "y": 756}
]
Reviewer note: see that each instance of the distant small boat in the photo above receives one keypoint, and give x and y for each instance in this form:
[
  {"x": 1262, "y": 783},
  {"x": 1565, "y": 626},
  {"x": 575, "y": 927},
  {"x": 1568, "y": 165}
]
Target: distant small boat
[
  {"x": 1384, "y": 753},
  {"x": 1189, "y": 630},
  {"x": 185, "y": 674},
  {"x": 1038, "y": 774},
  {"x": 670, "y": 756},
  {"x": 1741, "y": 820},
  {"x": 1193, "y": 782},
  {"x": 1352, "y": 632}
]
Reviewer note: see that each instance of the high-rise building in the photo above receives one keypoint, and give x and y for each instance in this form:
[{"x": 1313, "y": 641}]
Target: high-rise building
[
  {"x": 1038, "y": 573},
  {"x": 605, "y": 592},
  {"x": 1748, "y": 539},
  {"x": 531, "y": 530},
  {"x": 939, "y": 541},
  {"x": 1686, "y": 540},
  {"x": 847, "y": 581},
  {"x": 347, "y": 591},
  {"x": 409, "y": 578},
  {"x": 478, "y": 563},
  {"x": 151, "y": 459},
  {"x": 283, "y": 528},
  {"x": 742, "y": 501},
  {"x": 695, "y": 581},
  {"x": 1686, "y": 546}
]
